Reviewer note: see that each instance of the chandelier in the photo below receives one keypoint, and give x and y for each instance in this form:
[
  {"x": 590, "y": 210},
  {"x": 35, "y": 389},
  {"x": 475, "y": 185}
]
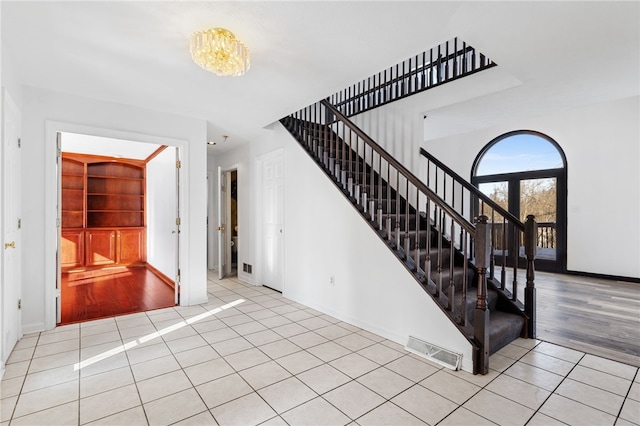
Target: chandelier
[{"x": 217, "y": 50}]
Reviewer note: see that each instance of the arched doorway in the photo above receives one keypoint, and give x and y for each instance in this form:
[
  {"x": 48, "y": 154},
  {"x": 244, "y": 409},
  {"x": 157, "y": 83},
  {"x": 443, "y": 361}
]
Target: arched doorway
[{"x": 526, "y": 173}]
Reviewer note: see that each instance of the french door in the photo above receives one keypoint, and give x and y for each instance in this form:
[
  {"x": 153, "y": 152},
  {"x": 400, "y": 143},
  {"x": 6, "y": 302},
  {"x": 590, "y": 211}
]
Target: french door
[{"x": 541, "y": 193}]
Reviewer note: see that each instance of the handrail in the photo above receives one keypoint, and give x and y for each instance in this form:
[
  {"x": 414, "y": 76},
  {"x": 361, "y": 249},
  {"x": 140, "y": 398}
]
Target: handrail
[
  {"x": 469, "y": 227},
  {"x": 445, "y": 252},
  {"x": 413, "y": 72},
  {"x": 434, "y": 244},
  {"x": 430, "y": 68},
  {"x": 474, "y": 190}
]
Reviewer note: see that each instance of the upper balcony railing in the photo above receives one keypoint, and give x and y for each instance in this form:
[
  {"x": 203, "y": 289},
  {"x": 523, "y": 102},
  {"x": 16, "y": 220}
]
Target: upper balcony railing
[{"x": 431, "y": 68}]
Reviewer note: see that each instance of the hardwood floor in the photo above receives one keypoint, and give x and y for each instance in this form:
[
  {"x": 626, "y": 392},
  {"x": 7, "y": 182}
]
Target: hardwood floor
[
  {"x": 127, "y": 290},
  {"x": 598, "y": 316}
]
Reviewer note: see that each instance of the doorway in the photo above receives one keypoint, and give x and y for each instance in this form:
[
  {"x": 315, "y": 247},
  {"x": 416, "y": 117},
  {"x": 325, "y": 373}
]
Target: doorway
[
  {"x": 525, "y": 173},
  {"x": 119, "y": 227},
  {"x": 228, "y": 230}
]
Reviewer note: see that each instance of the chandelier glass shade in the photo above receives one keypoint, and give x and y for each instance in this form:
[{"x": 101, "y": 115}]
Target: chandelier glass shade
[{"x": 217, "y": 50}]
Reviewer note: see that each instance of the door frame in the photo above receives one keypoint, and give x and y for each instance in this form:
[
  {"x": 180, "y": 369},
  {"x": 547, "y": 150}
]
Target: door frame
[
  {"x": 52, "y": 223},
  {"x": 513, "y": 189},
  {"x": 224, "y": 243}
]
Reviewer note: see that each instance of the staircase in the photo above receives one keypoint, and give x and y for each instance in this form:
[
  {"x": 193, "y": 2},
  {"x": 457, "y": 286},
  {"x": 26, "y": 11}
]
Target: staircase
[{"x": 450, "y": 257}]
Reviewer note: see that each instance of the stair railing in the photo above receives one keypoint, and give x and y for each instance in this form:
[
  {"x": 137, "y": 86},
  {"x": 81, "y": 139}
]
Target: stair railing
[
  {"x": 506, "y": 232},
  {"x": 448, "y": 61},
  {"x": 401, "y": 208}
]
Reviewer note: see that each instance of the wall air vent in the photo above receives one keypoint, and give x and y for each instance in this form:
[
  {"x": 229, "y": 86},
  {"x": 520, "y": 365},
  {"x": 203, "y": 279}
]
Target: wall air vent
[{"x": 434, "y": 353}]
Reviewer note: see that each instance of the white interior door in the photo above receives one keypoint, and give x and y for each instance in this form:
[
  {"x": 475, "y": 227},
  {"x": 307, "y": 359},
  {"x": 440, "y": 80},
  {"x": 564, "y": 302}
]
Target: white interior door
[
  {"x": 176, "y": 288},
  {"x": 11, "y": 259},
  {"x": 222, "y": 218},
  {"x": 273, "y": 221}
]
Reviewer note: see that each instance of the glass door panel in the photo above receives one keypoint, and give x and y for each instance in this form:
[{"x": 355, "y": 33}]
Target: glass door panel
[
  {"x": 539, "y": 197},
  {"x": 498, "y": 192}
]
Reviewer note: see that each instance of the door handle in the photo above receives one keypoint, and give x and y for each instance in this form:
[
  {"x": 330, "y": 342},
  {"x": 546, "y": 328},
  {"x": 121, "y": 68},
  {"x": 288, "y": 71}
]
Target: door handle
[{"x": 12, "y": 245}]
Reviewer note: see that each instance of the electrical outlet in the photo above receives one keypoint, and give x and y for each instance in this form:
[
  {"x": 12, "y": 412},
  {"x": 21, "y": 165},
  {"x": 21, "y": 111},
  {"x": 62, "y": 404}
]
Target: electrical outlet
[{"x": 332, "y": 280}]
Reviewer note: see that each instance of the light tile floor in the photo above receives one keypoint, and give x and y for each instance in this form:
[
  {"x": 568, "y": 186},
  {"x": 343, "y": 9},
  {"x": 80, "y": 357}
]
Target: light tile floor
[{"x": 268, "y": 360}]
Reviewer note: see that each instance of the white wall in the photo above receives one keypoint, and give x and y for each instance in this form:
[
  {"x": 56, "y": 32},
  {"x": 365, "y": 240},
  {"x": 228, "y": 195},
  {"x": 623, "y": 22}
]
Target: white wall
[
  {"x": 601, "y": 143},
  {"x": 161, "y": 212},
  {"x": 325, "y": 236},
  {"x": 43, "y": 113}
]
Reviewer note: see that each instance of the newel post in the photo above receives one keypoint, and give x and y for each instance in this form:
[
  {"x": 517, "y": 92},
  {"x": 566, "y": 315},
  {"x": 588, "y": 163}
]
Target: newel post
[
  {"x": 530, "y": 240},
  {"x": 481, "y": 313}
]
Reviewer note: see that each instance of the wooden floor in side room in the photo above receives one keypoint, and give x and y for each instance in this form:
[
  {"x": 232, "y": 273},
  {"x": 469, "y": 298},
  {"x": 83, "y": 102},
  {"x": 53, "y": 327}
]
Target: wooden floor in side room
[{"x": 124, "y": 291}]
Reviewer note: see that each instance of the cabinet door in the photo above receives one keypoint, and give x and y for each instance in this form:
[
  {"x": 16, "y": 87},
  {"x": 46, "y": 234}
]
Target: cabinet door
[
  {"x": 132, "y": 246},
  {"x": 72, "y": 249},
  {"x": 101, "y": 247}
]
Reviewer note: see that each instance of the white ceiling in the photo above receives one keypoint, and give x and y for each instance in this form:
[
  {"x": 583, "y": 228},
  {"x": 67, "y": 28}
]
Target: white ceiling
[{"x": 563, "y": 54}]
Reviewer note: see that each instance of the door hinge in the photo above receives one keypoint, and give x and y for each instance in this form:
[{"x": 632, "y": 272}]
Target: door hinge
[
  {"x": 19, "y": 223},
  {"x": 19, "y": 143},
  {"x": 178, "y": 221},
  {"x": 58, "y": 222},
  {"x": 178, "y": 278},
  {"x": 19, "y": 303},
  {"x": 178, "y": 164}
]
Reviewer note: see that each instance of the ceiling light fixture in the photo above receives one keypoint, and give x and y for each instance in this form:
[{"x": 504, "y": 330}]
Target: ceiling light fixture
[
  {"x": 217, "y": 50},
  {"x": 211, "y": 142}
]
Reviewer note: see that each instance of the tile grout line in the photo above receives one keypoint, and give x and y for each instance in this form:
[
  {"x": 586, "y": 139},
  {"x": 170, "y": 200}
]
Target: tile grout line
[
  {"x": 15, "y": 406},
  {"x": 555, "y": 389},
  {"x": 624, "y": 401}
]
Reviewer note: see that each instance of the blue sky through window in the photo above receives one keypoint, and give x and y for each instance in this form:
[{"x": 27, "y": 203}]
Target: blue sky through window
[{"x": 517, "y": 153}]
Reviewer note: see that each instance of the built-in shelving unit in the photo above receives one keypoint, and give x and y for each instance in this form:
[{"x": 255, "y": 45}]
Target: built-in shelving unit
[
  {"x": 73, "y": 195},
  {"x": 103, "y": 212}
]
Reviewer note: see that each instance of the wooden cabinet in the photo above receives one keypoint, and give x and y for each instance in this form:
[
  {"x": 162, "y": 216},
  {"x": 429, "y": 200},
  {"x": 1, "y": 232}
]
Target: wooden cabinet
[
  {"x": 72, "y": 248},
  {"x": 103, "y": 211},
  {"x": 132, "y": 246},
  {"x": 113, "y": 246}
]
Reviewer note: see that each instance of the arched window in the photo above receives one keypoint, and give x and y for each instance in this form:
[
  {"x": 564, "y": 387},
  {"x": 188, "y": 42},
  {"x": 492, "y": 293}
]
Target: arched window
[{"x": 526, "y": 173}]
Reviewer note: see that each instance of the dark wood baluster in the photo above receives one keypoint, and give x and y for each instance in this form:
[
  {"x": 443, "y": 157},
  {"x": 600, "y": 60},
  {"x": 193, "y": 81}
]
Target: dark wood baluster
[
  {"x": 455, "y": 57},
  {"x": 427, "y": 261},
  {"x": 379, "y": 190},
  {"x": 481, "y": 313},
  {"x": 492, "y": 261},
  {"x": 440, "y": 225},
  {"x": 452, "y": 283},
  {"x": 446, "y": 63},
  {"x": 530, "y": 290},
  {"x": 465, "y": 262},
  {"x": 356, "y": 190},
  {"x": 473, "y": 59},
  {"x": 397, "y": 215},
  {"x": 516, "y": 258},
  {"x": 464, "y": 57},
  {"x": 407, "y": 222},
  {"x": 416, "y": 254},
  {"x": 503, "y": 272}
]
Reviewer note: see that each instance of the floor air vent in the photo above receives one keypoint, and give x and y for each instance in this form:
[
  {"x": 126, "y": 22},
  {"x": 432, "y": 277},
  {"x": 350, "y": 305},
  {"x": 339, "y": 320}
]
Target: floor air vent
[{"x": 434, "y": 353}]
